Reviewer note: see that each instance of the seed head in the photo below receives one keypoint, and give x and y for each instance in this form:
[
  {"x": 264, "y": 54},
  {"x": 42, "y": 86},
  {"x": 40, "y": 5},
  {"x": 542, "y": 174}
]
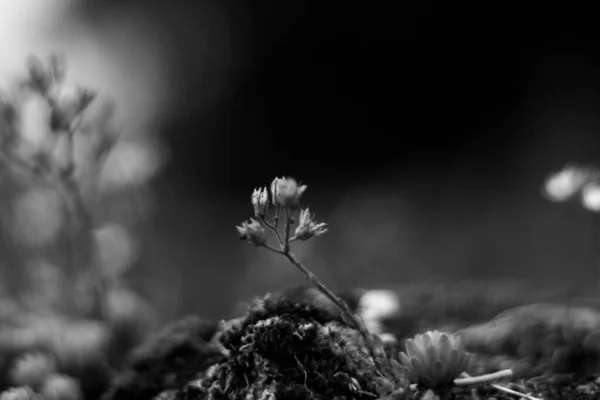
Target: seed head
[
  {"x": 39, "y": 79},
  {"x": 286, "y": 192},
  {"x": 307, "y": 227},
  {"x": 253, "y": 231}
]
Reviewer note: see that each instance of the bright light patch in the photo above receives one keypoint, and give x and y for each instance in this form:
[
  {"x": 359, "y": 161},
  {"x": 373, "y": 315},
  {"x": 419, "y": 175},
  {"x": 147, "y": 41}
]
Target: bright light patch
[
  {"x": 565, "y": 184},
  {"x": 590, "y": 196}
]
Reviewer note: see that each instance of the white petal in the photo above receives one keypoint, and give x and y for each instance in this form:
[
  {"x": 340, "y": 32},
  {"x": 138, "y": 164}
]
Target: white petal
[
  {"x": 565, "y": 184},
  {"x": 590, "y": 197}
]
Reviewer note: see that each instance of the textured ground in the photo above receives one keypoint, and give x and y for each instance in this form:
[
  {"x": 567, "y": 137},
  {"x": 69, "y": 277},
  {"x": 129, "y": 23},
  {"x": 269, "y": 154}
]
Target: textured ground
[{"x": 296, "y": 348}]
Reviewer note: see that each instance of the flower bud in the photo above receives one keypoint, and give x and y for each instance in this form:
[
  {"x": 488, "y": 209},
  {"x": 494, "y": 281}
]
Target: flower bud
[
  {"x": 260, "y": 200},
  {"x": 307, "y": 227},
  {"x": 39, "y": 80},
  {"x": 70, "y": 101},
  {"x": 286, "y": 192},
  {"x": 253, "y": 231}
]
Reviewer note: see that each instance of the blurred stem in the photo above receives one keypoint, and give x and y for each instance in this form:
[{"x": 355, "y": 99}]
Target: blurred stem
[{"x": 80, "y": 221}]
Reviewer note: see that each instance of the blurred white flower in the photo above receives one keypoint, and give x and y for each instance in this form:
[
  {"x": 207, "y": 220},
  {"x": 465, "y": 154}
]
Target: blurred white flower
[
  {"x": 130, "y": 163},
  {"x": 33, "y": 120},
  {"x": 374, "y": 305},
  {"x": 38, "y": 216},
  {"x": 388, "y": 338},
  {"x": 117, "y": 249},
  {"x": 378, "y": 303},
  {"x": 590, "y": 196},
  {"x": 565, "y": 184}
]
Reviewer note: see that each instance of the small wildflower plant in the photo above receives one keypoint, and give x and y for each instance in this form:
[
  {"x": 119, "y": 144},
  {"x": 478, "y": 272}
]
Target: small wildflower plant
[
  {"x": 284, "y": 197},
  {"x": 434, "y": 361}
]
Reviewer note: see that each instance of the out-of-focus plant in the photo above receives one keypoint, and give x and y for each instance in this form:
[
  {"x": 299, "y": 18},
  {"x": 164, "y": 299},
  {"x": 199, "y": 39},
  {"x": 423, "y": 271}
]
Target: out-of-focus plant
[
  {"x": 60, "y": 157},
  {"x": 36, "y": 373},
  {"x": 61, "y": 152},
  {"x": 39, "y": 137},
  {"x": 581, "y": 185}
]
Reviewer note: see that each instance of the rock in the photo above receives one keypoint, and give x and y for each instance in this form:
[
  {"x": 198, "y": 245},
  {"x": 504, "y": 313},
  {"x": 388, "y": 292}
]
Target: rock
[{"x": 554, "y": 337}]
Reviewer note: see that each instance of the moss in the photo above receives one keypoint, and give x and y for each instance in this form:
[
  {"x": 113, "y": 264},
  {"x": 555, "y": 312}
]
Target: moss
[
  {"x": 170, "y": 359},
  {"x": 289, "y": 350}
]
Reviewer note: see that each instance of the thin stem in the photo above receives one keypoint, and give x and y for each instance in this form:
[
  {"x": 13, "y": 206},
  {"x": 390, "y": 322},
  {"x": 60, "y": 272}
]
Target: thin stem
[
  {"x": 273, "y": 249},
  {"x": 79, "y": 218},
  {"x": 470, "y": 380},
  {"x": 276, "y": 217},
  {"x": 287, "y": 216},
  {"x": 273, "y": 228},
  {"x": 376, "y": 353}
]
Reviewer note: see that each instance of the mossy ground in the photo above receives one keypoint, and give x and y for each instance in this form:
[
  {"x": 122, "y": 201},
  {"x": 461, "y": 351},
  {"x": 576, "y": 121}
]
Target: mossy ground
[{"x": 291, "y": 347}]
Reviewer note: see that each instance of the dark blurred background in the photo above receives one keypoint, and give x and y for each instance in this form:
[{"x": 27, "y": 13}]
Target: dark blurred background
[{"x": 423, "y": 130}]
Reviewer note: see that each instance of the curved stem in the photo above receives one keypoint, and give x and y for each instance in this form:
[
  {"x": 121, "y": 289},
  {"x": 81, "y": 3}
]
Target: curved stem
[{"x": 377, "y": 352}]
